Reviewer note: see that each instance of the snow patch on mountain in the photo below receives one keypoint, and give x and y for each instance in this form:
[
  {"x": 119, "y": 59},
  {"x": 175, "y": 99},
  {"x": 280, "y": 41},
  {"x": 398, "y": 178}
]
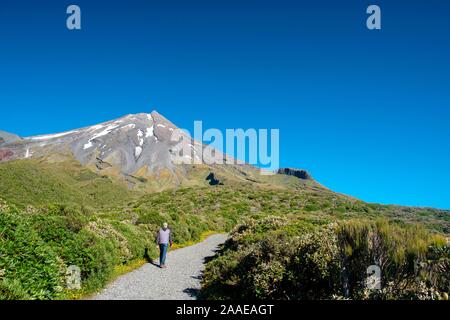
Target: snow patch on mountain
[
  {"x": 140, "y": 135},
  {"x": 137, "y": 152},
  {"x": 149, "y": 132},
  {"x": 51, "y": 136},
  {"x": 98, "y": 135}
]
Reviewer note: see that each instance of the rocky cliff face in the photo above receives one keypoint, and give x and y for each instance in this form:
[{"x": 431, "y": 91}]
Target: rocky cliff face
[{"x": 301, "y": 174}]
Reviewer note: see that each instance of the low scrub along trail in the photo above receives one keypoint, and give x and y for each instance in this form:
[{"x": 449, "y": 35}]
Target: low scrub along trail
[{"x": 179, "y": 281}]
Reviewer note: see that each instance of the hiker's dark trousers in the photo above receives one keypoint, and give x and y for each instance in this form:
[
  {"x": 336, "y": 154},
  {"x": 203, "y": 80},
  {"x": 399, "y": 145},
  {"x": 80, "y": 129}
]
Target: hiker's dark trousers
[{"x": 162, "y": 253}]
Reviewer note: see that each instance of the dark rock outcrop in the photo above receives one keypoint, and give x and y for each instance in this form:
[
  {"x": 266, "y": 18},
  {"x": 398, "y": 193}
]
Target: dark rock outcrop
[
  {"x": 213, "y": 181},
  {"x": 301, "y": 174},
  {"x": 100, "y": 164}
]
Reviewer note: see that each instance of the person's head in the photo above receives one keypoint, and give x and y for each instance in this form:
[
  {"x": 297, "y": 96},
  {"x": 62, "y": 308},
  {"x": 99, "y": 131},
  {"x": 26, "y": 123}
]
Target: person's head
[{"x": 165, "y": 225}]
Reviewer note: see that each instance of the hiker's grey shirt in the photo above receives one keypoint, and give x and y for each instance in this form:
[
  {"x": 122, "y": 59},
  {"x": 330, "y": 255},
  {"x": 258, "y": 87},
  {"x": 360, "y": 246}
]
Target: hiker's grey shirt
[{"x": 164, "y": 236}]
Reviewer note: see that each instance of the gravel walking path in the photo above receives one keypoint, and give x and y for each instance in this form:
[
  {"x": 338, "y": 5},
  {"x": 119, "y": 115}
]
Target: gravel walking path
[{"x": 179, "y": 281}]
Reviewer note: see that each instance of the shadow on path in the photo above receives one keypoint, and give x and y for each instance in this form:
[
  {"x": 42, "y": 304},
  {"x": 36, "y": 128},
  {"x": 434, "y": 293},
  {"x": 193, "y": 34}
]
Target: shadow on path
[
  {"x": 150, "y": 260},
  {"x": 192, "y": 292}
]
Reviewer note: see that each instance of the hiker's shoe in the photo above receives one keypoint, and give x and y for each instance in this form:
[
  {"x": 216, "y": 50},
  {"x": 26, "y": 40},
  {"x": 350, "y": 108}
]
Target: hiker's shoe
[{"x": 163, "y": 266}]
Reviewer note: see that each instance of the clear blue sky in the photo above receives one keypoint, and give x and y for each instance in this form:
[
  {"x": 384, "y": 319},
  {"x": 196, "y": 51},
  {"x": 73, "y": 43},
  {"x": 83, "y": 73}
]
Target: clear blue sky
[{"x": 366, "y": 112}]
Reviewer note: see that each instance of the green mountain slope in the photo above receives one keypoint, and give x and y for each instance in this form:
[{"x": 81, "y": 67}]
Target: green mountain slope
[
  {"x": 55, "y": 213},
  {"x": 39, "y": 182}
]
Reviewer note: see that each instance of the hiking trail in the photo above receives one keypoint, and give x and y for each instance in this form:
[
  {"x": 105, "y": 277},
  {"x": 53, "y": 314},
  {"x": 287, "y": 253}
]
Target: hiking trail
[{"x": 179, "y": 281}]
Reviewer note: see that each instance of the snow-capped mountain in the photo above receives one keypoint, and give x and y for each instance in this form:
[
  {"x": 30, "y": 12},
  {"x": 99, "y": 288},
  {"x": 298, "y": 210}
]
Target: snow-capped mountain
[
  {"x": 141, "y": 148},
  {"x": 140, "y": 144}
]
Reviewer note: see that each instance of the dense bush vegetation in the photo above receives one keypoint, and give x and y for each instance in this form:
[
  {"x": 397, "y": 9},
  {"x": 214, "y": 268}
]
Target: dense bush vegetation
[
  {"x": 281, "y": 258},
  {"x": 290, "y": 243},
  {"x": 37, "y": 246}
]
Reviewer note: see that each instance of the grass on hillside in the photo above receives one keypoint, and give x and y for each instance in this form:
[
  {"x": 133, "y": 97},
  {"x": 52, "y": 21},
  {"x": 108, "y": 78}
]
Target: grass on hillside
[{"x": 38, "y": 183}]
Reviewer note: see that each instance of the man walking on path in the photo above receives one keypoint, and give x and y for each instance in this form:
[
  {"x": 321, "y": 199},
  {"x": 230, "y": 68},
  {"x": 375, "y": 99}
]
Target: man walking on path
[{"x": 163, "y": 240}]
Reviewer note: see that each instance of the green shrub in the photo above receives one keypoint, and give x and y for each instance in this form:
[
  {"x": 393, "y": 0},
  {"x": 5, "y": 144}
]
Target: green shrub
[
  {"x": 29, "y": 264},
  {"x": 37, "y": 246},
  {"x": 263, "y": 261}
]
